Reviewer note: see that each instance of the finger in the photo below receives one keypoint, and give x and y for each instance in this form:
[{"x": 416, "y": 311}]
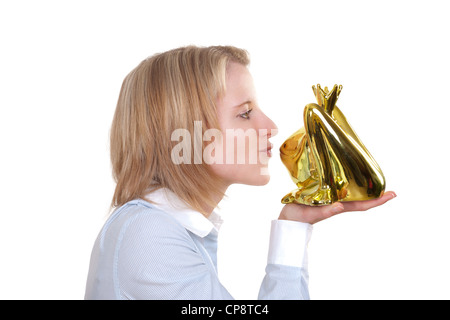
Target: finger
[{"x": 368, "y": 204}]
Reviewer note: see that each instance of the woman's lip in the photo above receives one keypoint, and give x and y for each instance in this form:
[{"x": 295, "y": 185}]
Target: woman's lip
[
  {"x": 269, "y": 147},
  {"x": 268, "y": 150}
]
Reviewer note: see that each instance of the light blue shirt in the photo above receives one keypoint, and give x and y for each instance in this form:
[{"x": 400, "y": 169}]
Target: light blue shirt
[{"x": 165, "y": 251}]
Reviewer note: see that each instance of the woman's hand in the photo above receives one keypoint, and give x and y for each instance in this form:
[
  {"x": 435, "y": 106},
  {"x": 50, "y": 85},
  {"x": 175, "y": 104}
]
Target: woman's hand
[{"x": 309, "y": 214}]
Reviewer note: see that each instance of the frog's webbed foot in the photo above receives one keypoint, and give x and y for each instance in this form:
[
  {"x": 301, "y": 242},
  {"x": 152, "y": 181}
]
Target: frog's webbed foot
[
  {"x": 309, "y": 196},
  {"x": 312, "y": 193}
]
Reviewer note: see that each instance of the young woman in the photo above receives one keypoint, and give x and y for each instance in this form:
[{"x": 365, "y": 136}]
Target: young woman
[{"x": 186, "y": 127}]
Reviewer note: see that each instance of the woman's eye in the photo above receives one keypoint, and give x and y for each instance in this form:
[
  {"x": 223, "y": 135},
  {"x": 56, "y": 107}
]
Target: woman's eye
[{"x": 246, "y": 114}]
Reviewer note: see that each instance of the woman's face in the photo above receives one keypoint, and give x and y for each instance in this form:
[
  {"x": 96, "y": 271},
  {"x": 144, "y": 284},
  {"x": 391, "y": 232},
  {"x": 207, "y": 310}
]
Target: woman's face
[{"x": 245, "y": 131}]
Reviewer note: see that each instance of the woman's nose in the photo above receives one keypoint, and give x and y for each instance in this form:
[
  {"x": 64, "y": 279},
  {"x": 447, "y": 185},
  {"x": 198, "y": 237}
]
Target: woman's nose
[{"x": 271, "y": 127}]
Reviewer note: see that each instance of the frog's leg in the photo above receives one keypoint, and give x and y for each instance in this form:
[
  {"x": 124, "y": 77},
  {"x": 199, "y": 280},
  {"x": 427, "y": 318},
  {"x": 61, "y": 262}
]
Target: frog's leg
[
  {"x": 346, "y": 170},
  {"x": 312, "y": 161},
  {"x": 325, "y": 139}
]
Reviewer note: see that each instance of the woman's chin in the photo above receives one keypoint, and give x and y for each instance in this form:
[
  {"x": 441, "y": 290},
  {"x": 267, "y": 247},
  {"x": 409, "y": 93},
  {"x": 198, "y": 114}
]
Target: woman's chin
[
  {"x": 258, "y": 180},
  {"x": 242, "y": 174}
]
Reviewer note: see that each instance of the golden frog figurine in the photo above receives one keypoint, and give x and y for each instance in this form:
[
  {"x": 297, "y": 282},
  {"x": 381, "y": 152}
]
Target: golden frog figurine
[{"x": 326, "y": 159}]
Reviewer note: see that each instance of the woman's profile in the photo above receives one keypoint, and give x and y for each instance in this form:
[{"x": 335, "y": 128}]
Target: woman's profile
[{"x": 187, "y": 126}]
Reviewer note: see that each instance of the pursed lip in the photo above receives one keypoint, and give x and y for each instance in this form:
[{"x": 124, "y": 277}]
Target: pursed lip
[{"x": 268, "y": 149}]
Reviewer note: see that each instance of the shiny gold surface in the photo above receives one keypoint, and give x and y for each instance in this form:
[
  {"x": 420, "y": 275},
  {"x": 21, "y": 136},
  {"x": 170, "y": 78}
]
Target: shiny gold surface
[{"x": 326, "y": 159}]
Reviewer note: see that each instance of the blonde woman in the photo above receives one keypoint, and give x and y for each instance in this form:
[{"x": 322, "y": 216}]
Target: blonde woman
[{"x": 186, "y": 127}]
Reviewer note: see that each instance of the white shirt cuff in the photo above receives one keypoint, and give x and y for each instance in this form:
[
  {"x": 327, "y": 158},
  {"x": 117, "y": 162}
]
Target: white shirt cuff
[{"x": 288, "y": 243}]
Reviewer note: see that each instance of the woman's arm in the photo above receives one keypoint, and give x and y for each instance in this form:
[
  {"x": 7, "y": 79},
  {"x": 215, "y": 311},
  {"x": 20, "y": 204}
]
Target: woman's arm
[{"x": 287, "y": 268}]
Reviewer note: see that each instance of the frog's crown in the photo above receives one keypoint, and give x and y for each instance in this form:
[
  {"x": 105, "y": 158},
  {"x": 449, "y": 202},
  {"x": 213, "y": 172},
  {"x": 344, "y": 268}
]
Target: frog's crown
[{"x": 327, "y": 99}]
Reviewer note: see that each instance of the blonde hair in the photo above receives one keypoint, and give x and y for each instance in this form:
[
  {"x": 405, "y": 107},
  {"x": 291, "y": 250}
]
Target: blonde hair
[{"x": 165, "y": 92}]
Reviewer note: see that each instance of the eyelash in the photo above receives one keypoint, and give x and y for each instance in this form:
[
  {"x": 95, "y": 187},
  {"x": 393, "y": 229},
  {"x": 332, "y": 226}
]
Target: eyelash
[{"x": 245, "y": 115}]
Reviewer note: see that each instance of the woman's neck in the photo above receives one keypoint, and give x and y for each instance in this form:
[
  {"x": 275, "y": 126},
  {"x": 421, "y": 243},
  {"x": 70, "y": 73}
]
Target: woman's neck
[{"x": 208, "y": 209}]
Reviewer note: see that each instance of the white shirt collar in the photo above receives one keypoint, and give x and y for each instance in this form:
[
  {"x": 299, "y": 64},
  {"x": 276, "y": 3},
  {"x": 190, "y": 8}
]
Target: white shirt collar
[{"x": 192, "y": 220}]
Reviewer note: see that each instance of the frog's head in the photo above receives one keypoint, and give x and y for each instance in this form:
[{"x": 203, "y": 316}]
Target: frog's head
[{"x": 289, "y": 150}]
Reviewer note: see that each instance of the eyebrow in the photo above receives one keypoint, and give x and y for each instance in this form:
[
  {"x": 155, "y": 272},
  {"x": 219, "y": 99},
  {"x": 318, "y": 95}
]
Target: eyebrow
[{"x": 243, "y": 103}]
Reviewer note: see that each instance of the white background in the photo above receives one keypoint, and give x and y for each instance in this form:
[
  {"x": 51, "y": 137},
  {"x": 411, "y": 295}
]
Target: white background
[{"x": 61, "y": 67}]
